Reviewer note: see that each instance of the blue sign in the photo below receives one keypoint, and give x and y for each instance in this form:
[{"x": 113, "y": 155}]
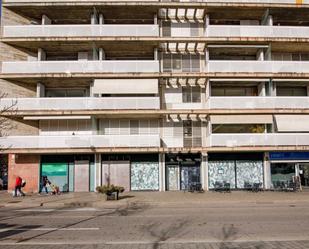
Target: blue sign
[{"x": 289, "y": 155}]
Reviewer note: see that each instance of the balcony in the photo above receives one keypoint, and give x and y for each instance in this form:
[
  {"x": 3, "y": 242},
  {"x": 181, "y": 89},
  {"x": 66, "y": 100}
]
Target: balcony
[
  {"x": 80, "y": 141},
  {"x": 80, "y": 30},
  {"x": 63, "y": 104},
  {"x": 257, "y": 31},
  {"x": 184, "y": 106},
  {"x": 230, "y": 66},
  {"x": 258, "y": 102},
  {"x": 269, "y": 139},
  {"x": 67, "y": 67}
]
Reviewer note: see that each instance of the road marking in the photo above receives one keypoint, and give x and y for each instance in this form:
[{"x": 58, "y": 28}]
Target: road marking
[
  {"x": 151, "y": 242},
  {"x": 35, "y": 210},
  {"x": 51, "y": 229},
  {"x": 58, "y": 210}
]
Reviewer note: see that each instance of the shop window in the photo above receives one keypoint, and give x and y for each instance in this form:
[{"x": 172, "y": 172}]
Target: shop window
[{"x": 282, "y": 173}]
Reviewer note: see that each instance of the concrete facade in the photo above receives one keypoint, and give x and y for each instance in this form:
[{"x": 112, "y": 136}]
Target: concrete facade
[{"x": 185, "y": 92}]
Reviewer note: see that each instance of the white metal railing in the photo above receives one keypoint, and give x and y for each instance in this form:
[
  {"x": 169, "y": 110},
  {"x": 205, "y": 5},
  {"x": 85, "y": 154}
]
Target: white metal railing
[
  {"x": 79, "y": 141},
  {"x": 32, "y": 104},
  {"x": 176, "y": 106},
  {"x": 270, "y": 139},
  {"x": 257, "y": 102},
  {"x": 124, "y": 66},
  {"x": 256, "y": 31},
  {"x": 231, "y": 66},
  {"x": 80, "y": 30},
  {"x": 172, "y": 142}
]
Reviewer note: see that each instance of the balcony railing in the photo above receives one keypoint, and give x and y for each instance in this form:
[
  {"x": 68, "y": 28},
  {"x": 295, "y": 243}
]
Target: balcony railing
[
  {"x": 33, "y": 67},
  {"x": 270, "y": 139},
  {"x": 176, "y": 106},
  {"x": 79, "y": 141},
  {"x": 230, "y": 66},
  {"x": 62, "y": 104},
  {"x": 257, "y": 31},
  {"x": 257, "y": 102},
  {"x": 80, "y": 30}
]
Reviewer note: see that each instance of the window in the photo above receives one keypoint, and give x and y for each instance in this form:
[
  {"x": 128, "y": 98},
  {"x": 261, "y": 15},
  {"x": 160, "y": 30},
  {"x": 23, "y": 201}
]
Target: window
[
  {"x": 191, "y": 94},
  {"x": 238, "y": 128},
  {"x": 192, "y": 133},
  {"x": 292, "y": 91},
  {"x": 128, "y": 127},
  {"x": 54, "y": 93},
  {"x": 182, "y": 63}
]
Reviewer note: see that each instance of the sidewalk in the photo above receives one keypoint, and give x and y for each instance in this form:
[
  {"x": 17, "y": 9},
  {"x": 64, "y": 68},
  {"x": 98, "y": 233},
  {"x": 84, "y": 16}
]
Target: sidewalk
[{"x": 80, "y": 200}]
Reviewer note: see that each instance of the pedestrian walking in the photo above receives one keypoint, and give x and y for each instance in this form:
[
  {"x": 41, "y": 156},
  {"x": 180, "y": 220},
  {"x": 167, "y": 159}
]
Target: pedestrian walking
[
  {"x": 45, "y": 184},
  {"x": 19, "y": 183}
]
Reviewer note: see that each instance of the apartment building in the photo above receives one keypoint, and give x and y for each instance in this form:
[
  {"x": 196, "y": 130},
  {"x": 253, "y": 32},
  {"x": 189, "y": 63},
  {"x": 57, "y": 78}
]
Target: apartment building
[{"x": 155, "y": 94}]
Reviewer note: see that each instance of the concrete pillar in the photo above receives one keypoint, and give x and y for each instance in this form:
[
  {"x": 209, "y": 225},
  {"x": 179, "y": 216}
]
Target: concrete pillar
[
  {"x": 162, "y": 181},
  {"x": 273, "y": 88},
  {"x": 155, "y": 54},
  {"x": 155, "y": 19},
  {"x": 267, "y": 19},
  {"x": 101, "y": 54},
  {"x": 101, "y": 19},
  {"x": 41, "y": 55},
  {"x": 91, "y": 89},
  {"x": 97, "y": 161},
  {"x": 206, "y": 58},
  {"x": 270, "y": 21},
  {"x": 94, "y": 18},
  {"x": 267, "y": 54},
  {"x": 94, "y": 126},
  {"x": 208, "y": 133},
  {"x": 40, "y": 90},
  {"x": 204, "y": 171},
  {"x": 206, "y": 24},
  {"x": 207, "y": 89},
  {"x": 262, "y": 89},
  {"x": 46, "y": 20},
  {"x": 267, "y": 171},
  {"x": 260, "y": 55}
]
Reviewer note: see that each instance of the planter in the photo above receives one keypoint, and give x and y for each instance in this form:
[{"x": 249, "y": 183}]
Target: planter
[
  {"x": 112, "y": 196},
  {"x": 110, "y": 191}
]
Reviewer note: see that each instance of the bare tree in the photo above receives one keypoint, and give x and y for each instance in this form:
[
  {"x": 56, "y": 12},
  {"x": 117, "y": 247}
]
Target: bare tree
[{"x": 7, "y": 112}]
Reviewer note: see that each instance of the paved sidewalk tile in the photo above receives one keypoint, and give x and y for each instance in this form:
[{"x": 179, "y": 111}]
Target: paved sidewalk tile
[{"x": 243, "y": 245}]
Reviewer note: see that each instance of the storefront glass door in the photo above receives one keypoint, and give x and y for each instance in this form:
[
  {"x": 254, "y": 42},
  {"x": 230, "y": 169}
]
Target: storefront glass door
[
  {"x": 57, "y": 173},
  {"x": 190, "y": 175},
  {"x": 172, "y": 176},
  {"x": 304, "y": 174}
]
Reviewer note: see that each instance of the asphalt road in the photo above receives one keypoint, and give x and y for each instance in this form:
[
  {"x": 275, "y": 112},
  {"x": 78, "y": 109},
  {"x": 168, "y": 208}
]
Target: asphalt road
[{"x": 213, "y": 226}]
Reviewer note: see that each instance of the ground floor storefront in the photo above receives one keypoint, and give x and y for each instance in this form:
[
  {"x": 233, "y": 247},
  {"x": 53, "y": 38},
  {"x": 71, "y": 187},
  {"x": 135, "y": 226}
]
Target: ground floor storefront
[
  {"x": 160, "y": 171},
  {"x": 288, "y": 167}
]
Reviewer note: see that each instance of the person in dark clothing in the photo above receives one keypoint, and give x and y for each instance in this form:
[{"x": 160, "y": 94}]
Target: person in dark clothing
[
  {"x": 18, "y": 186},
  {"x": 45, "y": 183}
]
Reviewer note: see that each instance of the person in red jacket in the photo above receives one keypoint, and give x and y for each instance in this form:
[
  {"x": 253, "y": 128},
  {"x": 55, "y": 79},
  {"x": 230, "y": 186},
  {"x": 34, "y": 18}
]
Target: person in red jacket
[{"x": 18, "y": 186}]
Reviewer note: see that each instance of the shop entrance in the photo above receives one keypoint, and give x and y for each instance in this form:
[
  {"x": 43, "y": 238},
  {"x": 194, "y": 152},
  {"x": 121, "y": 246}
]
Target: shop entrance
[
  {"x": 304, "y": 175},
  {"x": 183, "y": 171}
]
